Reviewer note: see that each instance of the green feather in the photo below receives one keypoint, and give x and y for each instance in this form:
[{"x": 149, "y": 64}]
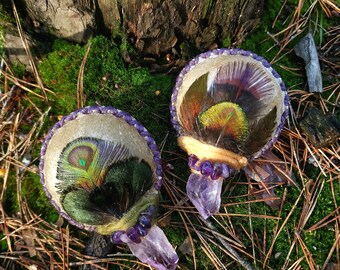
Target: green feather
[
  {"x": 99, "y": 182},
  {"x": 226, "y": 118},
  {"x": 78, "y": 206}
]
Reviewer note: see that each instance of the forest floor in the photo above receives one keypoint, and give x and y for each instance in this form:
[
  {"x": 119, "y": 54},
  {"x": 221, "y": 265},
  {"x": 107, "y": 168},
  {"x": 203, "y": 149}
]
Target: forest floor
[{"x": 304, "y": 233}]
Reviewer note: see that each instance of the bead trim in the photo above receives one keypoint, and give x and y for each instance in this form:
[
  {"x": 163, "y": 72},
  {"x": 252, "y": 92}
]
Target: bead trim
[
  {"x": 139, "y": 230},
  {"x": 214, "y": 170}
]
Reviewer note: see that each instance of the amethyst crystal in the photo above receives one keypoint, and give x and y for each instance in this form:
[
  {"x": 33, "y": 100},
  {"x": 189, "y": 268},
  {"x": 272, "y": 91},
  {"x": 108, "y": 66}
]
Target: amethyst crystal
[
  {"x": 204, "y": 193},
  {"x": 154, "y": 250},
  {"x": 228, "y": 107}
]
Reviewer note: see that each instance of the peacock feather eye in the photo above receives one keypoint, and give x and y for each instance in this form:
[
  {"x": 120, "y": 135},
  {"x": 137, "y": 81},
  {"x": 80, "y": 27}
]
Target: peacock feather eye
[
  {"x": 81, "y": 157},
  {"x": 228, "y": 107},
  {"x": 102, "y": 171}
]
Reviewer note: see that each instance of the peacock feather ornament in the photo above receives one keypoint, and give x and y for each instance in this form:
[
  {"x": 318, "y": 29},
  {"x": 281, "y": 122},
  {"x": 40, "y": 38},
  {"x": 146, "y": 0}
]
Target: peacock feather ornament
[
  {"x": 102, "y": 171},
  {"x": 228, "y": 107}
]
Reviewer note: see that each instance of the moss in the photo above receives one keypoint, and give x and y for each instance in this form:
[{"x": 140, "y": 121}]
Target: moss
[
  {"x": 11, "y": 200},
  {"x": 36, "y": 198},
  {"x": 226, "y": 43},
  {"x": 107, "y": 81},
  {"x": 3, "y": 243},
  {"x": 19, "y": 70},
  {"x": 59, "y": 71}
]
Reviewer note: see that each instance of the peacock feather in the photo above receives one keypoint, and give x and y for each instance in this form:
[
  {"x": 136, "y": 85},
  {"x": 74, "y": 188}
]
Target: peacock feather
[
  {"x": 98, "y": 180},
  {"x": 84, "y": 162},
  {"x": 225, "y": 120}
]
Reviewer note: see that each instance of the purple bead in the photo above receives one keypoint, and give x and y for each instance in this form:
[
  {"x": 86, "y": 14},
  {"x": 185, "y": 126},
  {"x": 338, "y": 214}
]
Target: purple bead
[
  {"x": 159, "y": 170},
  {"x": 145, "y": 220},
  {"x": 217, "y": 172},
  {"x": 192, "y": 162},
  {"x": 266, "y": 64},
  {"x": 158, "y": 184},
  {"x": 119, "y": 113},
  {"x": 157, "y": 159},
  {"x": 115, "y": 237},
  {"x": 142, "y": 231},
  {"x": 133, "y": 235},
  {"x": 151, "y": 210},
  {"x": 226, "y": 170},
  {"x": 206, "y": 168},
  {"x": 233, "y": 52}
]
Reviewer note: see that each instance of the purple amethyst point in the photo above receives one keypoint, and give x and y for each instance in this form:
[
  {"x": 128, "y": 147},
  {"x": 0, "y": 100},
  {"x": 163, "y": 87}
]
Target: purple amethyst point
[
  {"x": 205, "y": 194},
  {"x": 154, "y": 249}
]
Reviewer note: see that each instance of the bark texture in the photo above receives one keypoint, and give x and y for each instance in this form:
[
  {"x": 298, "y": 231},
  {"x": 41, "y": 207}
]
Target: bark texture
[{"x": 153, "y": 26}]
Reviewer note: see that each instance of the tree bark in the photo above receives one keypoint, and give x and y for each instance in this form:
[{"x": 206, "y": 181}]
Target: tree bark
[
  {"x": 158, "y": 26},
  {"x": 155, "y": 27}
]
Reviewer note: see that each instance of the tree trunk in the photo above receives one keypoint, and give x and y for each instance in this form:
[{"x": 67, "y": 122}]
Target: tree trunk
[
  {"x": 159, "y": 26},
  {"x": 154, "y": 27}
]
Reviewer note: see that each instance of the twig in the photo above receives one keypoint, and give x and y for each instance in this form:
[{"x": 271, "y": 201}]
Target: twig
[{"x": 237, "y": 256}]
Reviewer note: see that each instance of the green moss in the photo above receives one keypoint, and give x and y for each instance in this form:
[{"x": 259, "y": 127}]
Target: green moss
[
  {"x": 3, "y": 243},
  {"x": 11, "y": 200},
  {"x": 59, "y": 71},
  {"x": 36, "y": 198},
  {"x": 226, "y": 43},
  {"x": 107, "y": 81}
]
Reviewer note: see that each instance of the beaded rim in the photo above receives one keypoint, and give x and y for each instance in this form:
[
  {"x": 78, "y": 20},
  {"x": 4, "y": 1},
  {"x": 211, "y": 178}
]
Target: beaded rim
[
  {"x": 99, "y": 110},
  {"x": 218, "y": 52}
]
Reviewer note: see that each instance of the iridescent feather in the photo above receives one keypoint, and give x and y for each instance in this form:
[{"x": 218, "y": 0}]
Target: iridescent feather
[
  {"x": 239, "y": 85},
  {"x": 84, "y": 162},
  {"x": 98, "y": 181},
  {"x": 225, "y": 119}
]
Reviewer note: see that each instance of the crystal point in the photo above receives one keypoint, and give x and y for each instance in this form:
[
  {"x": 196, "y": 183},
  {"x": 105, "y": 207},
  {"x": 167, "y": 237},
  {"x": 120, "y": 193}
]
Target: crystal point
[
  {"x": 205, "y": 194},
  {"x": 154, "y": 249}
]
